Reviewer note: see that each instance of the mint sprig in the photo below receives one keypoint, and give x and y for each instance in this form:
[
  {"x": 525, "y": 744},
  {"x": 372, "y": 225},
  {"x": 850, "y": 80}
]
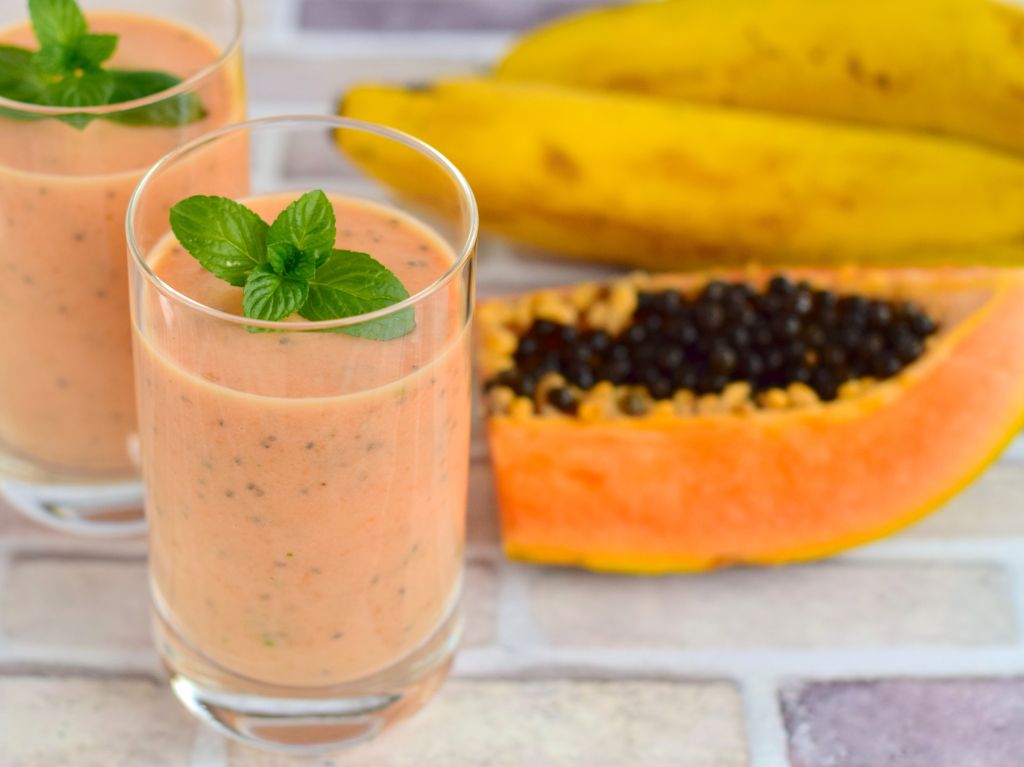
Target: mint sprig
[
  {"x": 291, "y": 266},
  {"x": 67, "y": 71}
]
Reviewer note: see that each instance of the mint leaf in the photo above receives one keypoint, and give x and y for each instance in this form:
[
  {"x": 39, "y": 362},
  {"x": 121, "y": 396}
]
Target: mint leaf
[
  {"x": 19, "y": 79},
  {"x": 350, "y": 283},
  {"x": 289, "y": 261},
  {"x": 181, "y": 109},
  {"x": 227, "y": 238},
  {"x": 289, "y": 267},
  {"x": 90, "y": 89},
  {"x": 272, "y": 296},
  {"x": 92, "y": 50},
  {"x": 86, "y": 90},
  {"x": 306, "y": 225},
  {"x": 67, "y": 71},
  {"x": 57, "y": 23}
]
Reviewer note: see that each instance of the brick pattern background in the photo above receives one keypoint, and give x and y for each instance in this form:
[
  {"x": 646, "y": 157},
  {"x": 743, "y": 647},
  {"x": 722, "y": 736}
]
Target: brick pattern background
[{"x": 908, "y": 653}]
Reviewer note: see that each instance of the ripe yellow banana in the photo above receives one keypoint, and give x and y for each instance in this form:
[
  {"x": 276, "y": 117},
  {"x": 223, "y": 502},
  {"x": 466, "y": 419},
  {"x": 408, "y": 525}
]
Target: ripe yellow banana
[
  {"x": 662, "y": 184},
  {"x": 951, "y": 66}
]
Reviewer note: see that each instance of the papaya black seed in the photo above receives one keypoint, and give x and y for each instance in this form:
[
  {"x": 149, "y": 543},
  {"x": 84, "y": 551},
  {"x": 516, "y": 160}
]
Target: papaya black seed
[
  {"x": 782, "y": 333},
  {"x": 563, "y": 399}
]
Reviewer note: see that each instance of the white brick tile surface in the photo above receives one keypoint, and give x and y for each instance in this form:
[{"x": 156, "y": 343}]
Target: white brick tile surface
[
  {"x": 828, "y": 604},
  {"x": 52, "y": 721},
  {"x": 79, "y": 601},
  {"x": 558, "y": 724}
]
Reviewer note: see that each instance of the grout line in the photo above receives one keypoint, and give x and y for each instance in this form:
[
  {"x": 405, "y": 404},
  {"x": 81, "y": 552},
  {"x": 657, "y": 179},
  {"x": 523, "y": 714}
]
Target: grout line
[
  {"x": 766, "y": 731},
  {"x": 804, "y": 663},
  {"x": 208, "y": 749},
  {"x": 6, "y": 560},
  {"x": 31, "y": 656},
  {"x": 309, "y": 44},
  {"x": 1006, "y": 551},
  {"x": 283, "y": 21},
  {"x": 1015, "y": 570},
  {"x": 268, "y": 169}
]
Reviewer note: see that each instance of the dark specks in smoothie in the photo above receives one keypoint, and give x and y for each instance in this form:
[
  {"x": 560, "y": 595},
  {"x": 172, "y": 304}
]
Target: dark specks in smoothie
[
  {"x": 401, "y": 591},
  {"x": 374, "y": 445},
  {"x": 101, "y": 294},
  {"x": 43, "y": 191},
  {"x": 290, "y": 554},
  {"x": 315, "y": 571},
  {"x": 264, "y": 597},
  {"x": 375, "y": 580},
  {"x": 401, "y": 395},
  {"x": 268, "y": 441},
  {"x": 229, "y": 493},
  {"x": 416, "y": 263},
  {"x": 284, "y": 340},
  {"x": 220, "y": 422},
  {"x": 238, "y": 460},
  {"x": 78, "y": 236},
  {"x": 207, "y": 464},
  {"x": 111, "y": 194},
  {"x": 310, "y": 445},
  {"x": 393, "y": 221},
  {"x": 185, "y": 399},
  {"x": 256, "y": 519},
  {"x": 337, "y": 635},
  {"x": 279, "y": 563},
  {"x": 255, "y": 489},
  {"x": 424, "y": 248},
  {"x": 62, "y": 383},
  {"x": 346, "y": 232},
  {"x": 27, "y": 279}
]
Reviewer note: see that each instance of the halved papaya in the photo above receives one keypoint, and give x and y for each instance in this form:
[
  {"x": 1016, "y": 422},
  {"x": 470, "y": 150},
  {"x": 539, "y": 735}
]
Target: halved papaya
[{"x": 663, "y": 492}]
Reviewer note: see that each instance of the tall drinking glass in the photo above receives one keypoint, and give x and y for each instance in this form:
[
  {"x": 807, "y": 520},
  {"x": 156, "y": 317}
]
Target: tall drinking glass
[
  {"x": 305, "y": 487},
  {"x": 67, "y": 411}
]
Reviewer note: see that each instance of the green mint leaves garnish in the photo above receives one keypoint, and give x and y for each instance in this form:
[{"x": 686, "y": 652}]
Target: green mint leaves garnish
[
  {"x": 67, "y": 71},
  {"x": 291, "y": 266}
]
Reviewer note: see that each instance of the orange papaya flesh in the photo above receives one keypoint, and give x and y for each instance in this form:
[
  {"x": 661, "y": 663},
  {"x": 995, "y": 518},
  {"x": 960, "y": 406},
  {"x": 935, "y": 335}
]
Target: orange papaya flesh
[{"x": 687, "y": 493}]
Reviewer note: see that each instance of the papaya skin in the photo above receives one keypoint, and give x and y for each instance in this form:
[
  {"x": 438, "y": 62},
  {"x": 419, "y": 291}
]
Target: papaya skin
[
  {"x": 663, "y": 185},
  {"x": 685, "y": 494},
  {"x": 954, "y": 67}
]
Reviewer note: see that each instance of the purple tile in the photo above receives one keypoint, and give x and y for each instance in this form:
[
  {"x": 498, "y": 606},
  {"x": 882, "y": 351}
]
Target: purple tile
[
  {"x": 906, "y": 723},
  {"x": 434, "y": 15}
]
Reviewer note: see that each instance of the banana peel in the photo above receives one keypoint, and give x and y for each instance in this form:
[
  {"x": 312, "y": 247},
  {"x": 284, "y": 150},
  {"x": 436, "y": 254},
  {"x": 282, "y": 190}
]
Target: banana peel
[
  {"x": 954, "y": 67},
  {"x": 664, "y": 185}
]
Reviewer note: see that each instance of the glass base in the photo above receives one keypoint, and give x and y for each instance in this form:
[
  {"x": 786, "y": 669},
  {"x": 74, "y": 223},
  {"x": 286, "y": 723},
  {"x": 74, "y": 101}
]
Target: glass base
[
  {"x": 304, "y": 720},
  {"x": 101, "y": 506}
]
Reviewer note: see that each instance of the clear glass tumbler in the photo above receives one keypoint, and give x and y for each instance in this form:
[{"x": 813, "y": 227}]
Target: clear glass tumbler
[
  {"x": 305, "y": 487},
  {"x": 67, "y": 410}
]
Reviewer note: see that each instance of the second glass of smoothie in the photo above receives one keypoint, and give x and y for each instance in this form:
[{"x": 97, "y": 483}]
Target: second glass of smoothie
[
  {"x": 67, "y": 411},
  {"x": 305, "y": 487}
]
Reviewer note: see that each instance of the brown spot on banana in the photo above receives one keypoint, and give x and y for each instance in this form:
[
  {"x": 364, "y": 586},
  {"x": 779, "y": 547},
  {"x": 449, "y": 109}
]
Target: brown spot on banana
[{"x": 560, "y": 164}]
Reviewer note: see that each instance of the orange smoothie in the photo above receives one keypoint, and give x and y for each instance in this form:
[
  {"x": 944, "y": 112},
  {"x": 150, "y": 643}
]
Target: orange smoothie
[
  {"x": 66, "y": 391},
  {"x": 305, "y": 491}
]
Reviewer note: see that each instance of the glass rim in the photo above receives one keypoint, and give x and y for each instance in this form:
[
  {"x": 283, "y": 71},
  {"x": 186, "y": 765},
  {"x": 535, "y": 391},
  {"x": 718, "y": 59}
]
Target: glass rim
[
  {"x": 463, "y": 254},
  {"x": 185, "y": 86}
]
